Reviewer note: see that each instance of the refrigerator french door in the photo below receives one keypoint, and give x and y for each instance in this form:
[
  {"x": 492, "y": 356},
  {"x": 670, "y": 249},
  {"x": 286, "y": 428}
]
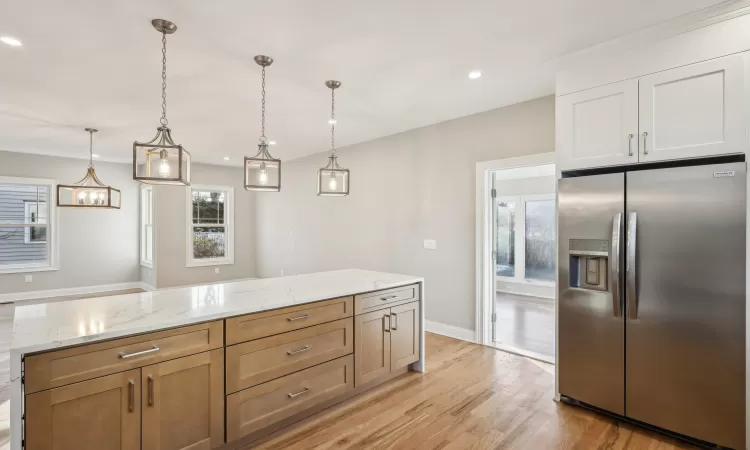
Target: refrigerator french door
[{"x": 652, "y": 297}]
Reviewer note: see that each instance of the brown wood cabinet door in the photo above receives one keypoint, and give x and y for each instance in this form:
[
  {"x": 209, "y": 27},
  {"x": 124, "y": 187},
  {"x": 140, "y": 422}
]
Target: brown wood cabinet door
[
  {"x": 405, "y": 325},
  {"x": 103, "y": 414},
  {"x": 183, "y": 403},
  {"x": 372, "y": 346}
]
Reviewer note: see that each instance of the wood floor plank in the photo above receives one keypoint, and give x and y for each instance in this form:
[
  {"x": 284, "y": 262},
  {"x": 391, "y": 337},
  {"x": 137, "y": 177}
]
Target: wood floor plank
[{"x": 473, "y": 397}]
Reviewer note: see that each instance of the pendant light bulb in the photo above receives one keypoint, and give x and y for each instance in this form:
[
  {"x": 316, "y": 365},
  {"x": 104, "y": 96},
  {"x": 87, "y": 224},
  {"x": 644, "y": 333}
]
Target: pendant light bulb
[
  {"x": 332, "y": 185},
  {"x": 164, "y": 164},
  {"x": 263, "y": 175}
]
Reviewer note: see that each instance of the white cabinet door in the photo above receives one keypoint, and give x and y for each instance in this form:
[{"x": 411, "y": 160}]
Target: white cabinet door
[
  {"x": 598, "y": 127},
  {"x": 693, "y": 111}
]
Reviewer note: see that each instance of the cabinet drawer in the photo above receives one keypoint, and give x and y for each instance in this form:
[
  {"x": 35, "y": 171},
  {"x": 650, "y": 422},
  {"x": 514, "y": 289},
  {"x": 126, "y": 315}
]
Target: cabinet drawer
[
  {"x": 260, "y": 325},
  {"x": 263, "y": 405},
  {"x": 261, "y": 360},
  {"x": 372, "y": 301},
  {"x": 54, "y": 369}
]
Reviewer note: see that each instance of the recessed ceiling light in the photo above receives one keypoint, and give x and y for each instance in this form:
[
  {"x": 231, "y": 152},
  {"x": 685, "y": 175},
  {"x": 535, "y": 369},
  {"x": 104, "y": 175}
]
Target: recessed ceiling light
[
  {"x": 94, "y": 155},
  {"x": 8, "y": 40},
  {"x": 226, "y": 158},
  {"x": 474, "y": 74},
  {"x": 271, "y": 142},
  {"x": 331, "y": 121}
]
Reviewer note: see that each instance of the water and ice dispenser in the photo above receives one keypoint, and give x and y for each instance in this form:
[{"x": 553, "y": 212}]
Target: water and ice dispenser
[{"x": 589, "y": 264}]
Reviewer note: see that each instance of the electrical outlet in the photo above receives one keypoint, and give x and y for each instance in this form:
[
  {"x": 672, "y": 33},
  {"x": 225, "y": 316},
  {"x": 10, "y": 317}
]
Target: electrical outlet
[
  {"x": 27, "y": 278},
  {"x": 430, "y": 244},
  {"x": 216, "y": 270}
]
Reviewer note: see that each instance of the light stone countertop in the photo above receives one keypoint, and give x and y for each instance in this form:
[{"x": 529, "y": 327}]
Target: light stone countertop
[{"x": 48, "y": 326}]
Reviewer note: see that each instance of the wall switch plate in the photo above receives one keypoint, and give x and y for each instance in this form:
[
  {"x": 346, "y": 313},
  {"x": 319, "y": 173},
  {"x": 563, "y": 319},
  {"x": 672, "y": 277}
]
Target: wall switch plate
[
  {"x": 27, "y": 278},
  {"x": 430, "y": 244},
  {"x": 216, "y": 270}
]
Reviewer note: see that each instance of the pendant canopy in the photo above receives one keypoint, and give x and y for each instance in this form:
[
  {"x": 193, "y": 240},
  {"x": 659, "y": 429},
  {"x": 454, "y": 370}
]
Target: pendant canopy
[
  {"x": 89, "y": 192},
  {"x": 160, "y": 160},
  {"x": 263, "y": 171},
  {"x": 333, "y": 180}
]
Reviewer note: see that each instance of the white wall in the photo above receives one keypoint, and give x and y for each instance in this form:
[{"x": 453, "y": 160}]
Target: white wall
[
  {"x": 171, "y": 228},
  {"x": 405, "y": 188},
  {"x": 97, "y": 247}
]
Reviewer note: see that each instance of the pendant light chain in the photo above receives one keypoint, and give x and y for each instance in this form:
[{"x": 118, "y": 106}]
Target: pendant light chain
[
  {"x": 163, "y": 119},
  {"x": 91, "y": 149},
  {"x": 263, "y": 106},
  {"x": 333, "y": 122}
]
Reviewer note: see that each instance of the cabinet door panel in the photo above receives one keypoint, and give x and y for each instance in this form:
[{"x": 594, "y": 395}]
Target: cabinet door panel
[
  {"x": 103, "y": 413},
  {"x": 405, "y": 326},
  {"x": 693, "y": 111},
  {"x": 594, "y": 127},
  {"x": 183, "y": 403},
  {"x": 372, "y": 346}
]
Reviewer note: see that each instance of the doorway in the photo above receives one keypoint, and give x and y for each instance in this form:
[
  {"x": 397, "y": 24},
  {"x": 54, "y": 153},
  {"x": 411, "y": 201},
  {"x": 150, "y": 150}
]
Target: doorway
[{"x": 521, "y": 269}]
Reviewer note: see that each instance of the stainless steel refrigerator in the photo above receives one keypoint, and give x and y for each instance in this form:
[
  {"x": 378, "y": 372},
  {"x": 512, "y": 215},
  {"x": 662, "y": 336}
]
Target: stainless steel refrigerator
[{"x": 652, "y": 297}]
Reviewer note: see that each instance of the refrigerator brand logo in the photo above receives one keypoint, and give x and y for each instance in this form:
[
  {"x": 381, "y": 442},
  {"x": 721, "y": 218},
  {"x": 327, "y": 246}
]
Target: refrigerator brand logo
[{"x": 726, "y": 173}]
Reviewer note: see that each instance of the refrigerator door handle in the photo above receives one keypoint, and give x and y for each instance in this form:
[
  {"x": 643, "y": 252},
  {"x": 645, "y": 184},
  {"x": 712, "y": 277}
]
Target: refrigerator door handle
[
  {"x": 630, "y": 285},
  {"x": 614, "y": 266}
]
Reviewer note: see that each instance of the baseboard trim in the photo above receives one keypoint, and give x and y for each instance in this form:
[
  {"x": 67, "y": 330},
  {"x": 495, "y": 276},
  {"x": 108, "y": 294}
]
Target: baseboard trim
[
  {"x": 450, "y": 331},
  {"x": 32, "y": 295}
]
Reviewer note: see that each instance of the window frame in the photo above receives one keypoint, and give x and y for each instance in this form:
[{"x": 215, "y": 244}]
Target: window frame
[
  {"x": 228, "y": 226},
  {"x": 52, "y": 242},
  {"x": 146, "y": 219},
  {"x": 520, "y": 238},
  {"x": 27, "y": 231}
]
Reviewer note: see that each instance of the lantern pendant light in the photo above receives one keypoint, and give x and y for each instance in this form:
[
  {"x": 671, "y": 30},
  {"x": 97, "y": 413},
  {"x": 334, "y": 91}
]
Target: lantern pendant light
[
  {"x": 160, "y": 160},
  {"x": 263, "y": 171},
  {"x": 333, "y": 180},
  {"x": 89, "y": 192}
]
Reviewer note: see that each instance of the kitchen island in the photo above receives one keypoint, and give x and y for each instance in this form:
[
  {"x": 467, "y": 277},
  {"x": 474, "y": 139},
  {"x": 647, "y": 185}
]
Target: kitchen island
[{"x": 207, "y": 366}]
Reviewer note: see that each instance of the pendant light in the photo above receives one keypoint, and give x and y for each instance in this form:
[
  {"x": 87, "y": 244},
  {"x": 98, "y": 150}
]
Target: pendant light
[
  {"x": 89, "y": 192},
  {"x": 160, "y": 160},
  {"x": 333, "y": 180},
  {"x": 262, "y": 171}
]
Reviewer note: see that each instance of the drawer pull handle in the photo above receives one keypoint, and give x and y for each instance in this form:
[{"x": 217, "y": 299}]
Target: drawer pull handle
[
  {"x": 303, "y": 391},
  {"x": 388, "y": 297},
  {"x": 303, "y": 349},
  {"x": 150, "y": 390},
  {"x": 153, "y": 349},
  {"x": 131, "y": 395},
  {"x": 303, "y": 316}
]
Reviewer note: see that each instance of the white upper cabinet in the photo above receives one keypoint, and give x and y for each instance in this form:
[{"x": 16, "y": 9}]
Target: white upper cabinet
[
  {"x": 693, "y": 111},
  {"x": 598, "y": 127}
]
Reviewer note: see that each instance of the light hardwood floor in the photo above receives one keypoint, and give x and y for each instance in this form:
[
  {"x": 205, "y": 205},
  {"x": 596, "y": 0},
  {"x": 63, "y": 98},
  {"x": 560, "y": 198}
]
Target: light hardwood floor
[
  {"x": 526, "y": 324},
  {"x": 472, "y": 397}
]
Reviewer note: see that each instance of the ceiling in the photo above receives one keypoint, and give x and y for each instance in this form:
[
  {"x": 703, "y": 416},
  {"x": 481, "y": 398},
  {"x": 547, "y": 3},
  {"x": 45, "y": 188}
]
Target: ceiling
[{"x": 403, "y": 65}]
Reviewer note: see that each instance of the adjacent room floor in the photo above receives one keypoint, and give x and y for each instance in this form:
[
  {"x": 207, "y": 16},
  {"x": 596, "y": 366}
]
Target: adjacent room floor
[
  {"x": 526, "y": 324},
  {"x": 472, "y": 397}
]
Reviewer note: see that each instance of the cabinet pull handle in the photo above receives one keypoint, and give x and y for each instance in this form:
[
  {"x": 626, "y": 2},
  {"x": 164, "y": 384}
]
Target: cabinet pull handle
[
  {"x": 386, "y": 328},
  {"x": 153, "y": 349},
  {"x": 303, "y": 316},
  {"x": 388, "y": 297},
  {"x": 131, "y": 395},
  {"x": 303, "y": 349},
  {"x": 150, "y": 390},
  {"x": 630, "y": 144},
  {"x": 303, "y": 391},
  {"x": 394, "y": 321},
  {"x": 645, "y": 149}
]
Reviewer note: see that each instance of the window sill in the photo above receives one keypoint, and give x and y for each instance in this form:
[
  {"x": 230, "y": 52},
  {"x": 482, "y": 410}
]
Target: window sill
[
  {"x": 209, "y": 262},
  {"x": 9, "y": 270},
  {"x": 147, "y": 264},
  {"x": 525, "y": 281}
]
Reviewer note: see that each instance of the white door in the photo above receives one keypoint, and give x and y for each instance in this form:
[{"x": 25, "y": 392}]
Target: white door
[
  {"x": 693, "y": 111},
  {"x": 598, "y": 127}
]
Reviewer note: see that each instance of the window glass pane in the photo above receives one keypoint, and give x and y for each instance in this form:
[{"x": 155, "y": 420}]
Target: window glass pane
[
  {"x": 540, "y": 240},
  {"x": 208, "y": 207},
  {"x": 209, "y": 242},
  {"x": 17, "y": 246},
  {"x": 505, "y": 261},
  {"x": 23, "y": 204}
]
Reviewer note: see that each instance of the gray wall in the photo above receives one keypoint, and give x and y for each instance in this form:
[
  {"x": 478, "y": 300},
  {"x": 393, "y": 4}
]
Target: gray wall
[
  {"x": 405, "y": 188},
  {"x": 96, "y": 246},
  {"x": 171, "y": 228}
]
